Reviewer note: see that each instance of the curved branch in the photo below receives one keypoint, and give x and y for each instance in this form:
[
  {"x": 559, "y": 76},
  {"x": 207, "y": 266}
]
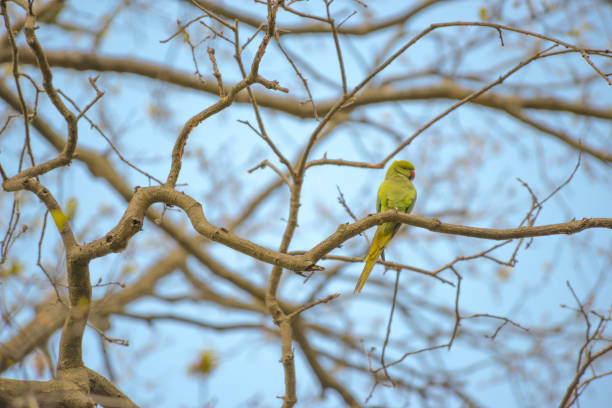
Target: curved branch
[
  {"x": 46, "y": 12},
  {"x": 79, "y": 286},
  {"x": 73, "y": 388},
  {"x": 131, "y": 222},
  {"x": 46, "y": 322},
  {"x": 65, "y": 156},
  {"x": 106, "y": 394},
  {"x": 226, "y": 100},
  {"x": 573, "y": 385},
  {"x": 50, "y": 315},
  {"x": 295, "y": 106},
  {"x": 319, "y": 28},
  {"x": 100, "y": 166}
]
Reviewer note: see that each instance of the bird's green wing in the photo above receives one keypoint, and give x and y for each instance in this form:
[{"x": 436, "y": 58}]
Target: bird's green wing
[
  {"x": 397, "y": 191},
  {"x": 395, "y": 194}
]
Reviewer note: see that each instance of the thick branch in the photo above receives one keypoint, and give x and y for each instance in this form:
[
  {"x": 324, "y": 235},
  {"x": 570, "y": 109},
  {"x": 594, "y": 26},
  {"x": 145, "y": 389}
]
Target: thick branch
[
  {"x": 513, "y": 104},
  {"x": 446, "y": 90},
  {"x": 73, "y": 388},
  {"x": 47, "y": 321},
  {"x": 51, "y": 315},
  {"x": 79, "y": 285},
  {"x": 346, "y": 231},
  {"x": 118, "y": 238}
]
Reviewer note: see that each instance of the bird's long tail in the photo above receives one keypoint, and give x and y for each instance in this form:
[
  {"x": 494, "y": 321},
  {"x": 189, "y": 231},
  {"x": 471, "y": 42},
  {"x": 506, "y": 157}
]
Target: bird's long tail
[{"x": 381, "y": 239}]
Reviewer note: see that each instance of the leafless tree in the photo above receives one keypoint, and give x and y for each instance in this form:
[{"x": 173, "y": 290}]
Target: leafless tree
[{"x": 232, "y": 149}]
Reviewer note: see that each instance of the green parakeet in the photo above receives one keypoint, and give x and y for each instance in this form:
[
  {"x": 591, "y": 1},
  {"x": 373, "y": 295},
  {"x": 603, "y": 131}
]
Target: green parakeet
[{"x": 396, "y": 191}]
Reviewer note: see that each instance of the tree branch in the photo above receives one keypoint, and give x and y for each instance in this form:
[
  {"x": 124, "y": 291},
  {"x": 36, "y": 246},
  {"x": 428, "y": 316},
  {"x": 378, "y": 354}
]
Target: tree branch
[{"x": 445, "y": 90}]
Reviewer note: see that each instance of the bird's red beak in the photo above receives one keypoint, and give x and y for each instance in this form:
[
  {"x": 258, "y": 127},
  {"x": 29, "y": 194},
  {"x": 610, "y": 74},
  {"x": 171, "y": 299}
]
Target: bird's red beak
[{"x": 412, "y": 174}]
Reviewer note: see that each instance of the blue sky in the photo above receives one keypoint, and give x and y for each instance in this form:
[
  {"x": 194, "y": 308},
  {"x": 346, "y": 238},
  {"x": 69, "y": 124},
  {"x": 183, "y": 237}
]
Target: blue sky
[{"x": 468, "y": 161}]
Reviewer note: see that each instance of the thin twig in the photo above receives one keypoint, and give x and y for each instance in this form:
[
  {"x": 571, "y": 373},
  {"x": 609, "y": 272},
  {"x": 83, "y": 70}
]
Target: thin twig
[
  {"x": 182, "y": 28},
  {"x": 267, "y": 163},
  {"x": 390, "y": 320},
  {"x": 332, "y": 24},
  {"x": 108, "y": 140},
  {"x": 217, "y": 74},
  {"x": 457, "y": 314},
  {"x": 299, "y": 74},
  {"x": 311, "y": 305},
  {"x": 38, "y": 259}
]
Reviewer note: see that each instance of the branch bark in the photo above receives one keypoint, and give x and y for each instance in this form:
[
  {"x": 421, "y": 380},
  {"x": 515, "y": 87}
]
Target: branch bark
[
  {"x": 117, "y": 239},
  {"x": 293, "y": 106}
]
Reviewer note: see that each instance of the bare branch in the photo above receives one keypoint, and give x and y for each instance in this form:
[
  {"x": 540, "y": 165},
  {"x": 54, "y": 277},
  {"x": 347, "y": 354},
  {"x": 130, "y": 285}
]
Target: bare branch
[{"x": 311, "y": 305}]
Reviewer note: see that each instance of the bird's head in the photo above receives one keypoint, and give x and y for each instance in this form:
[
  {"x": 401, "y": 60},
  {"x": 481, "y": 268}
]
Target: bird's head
[{"x": 403, "y": 167}]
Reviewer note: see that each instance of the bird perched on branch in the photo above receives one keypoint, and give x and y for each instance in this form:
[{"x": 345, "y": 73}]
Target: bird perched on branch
[{"x": 395, "y": 192}]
